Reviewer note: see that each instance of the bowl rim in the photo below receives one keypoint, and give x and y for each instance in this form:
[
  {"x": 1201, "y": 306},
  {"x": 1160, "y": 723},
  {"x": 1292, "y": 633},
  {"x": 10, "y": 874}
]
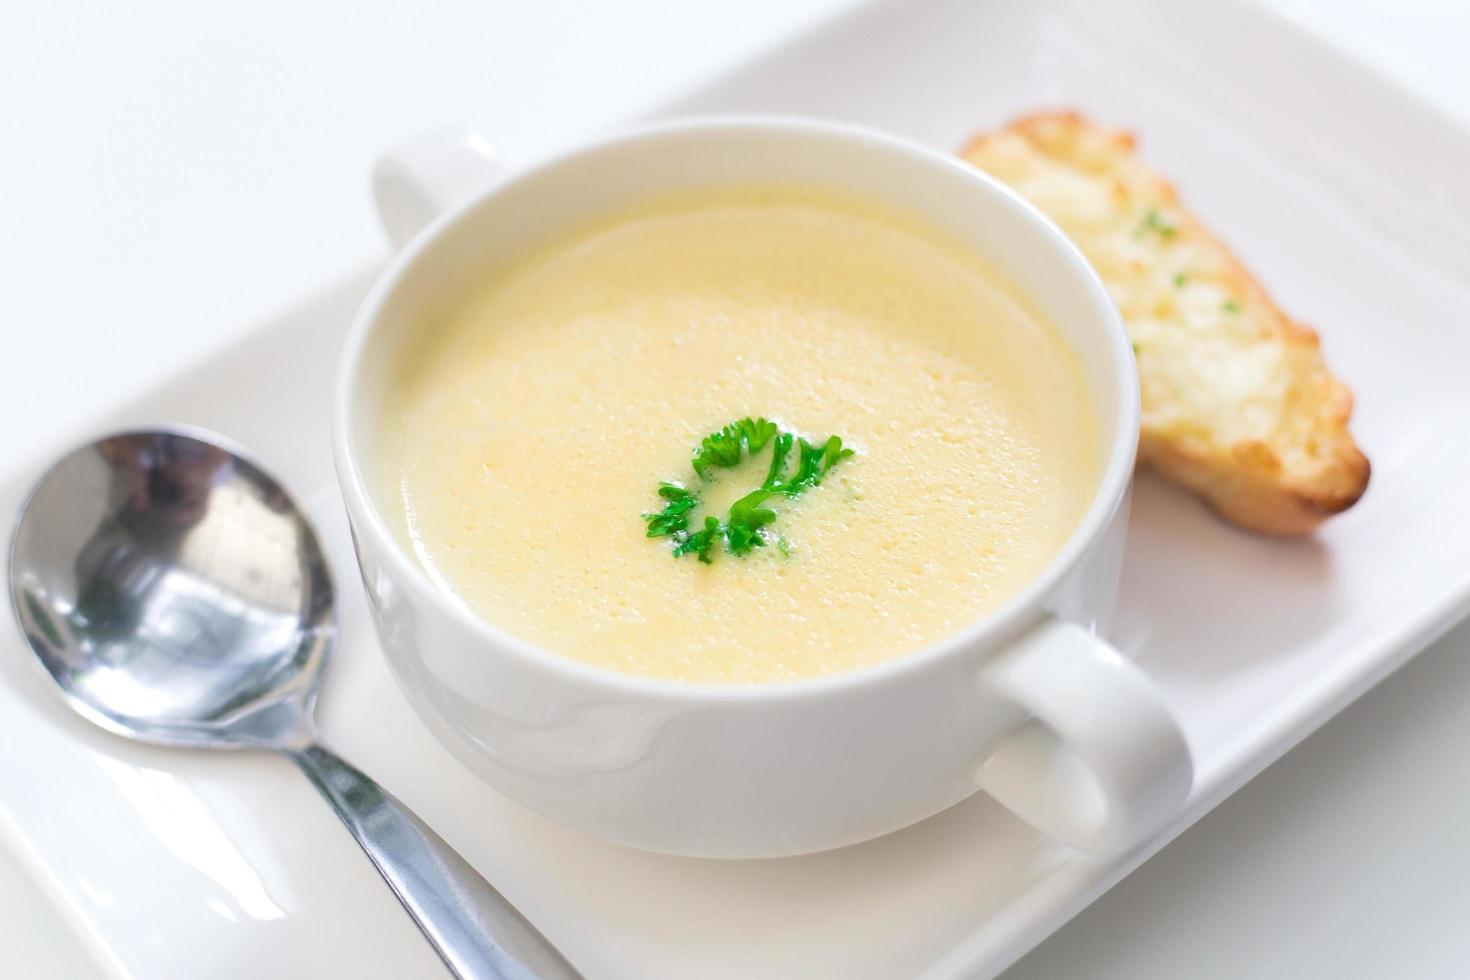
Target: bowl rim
[{"x": 1003, "y": 621}]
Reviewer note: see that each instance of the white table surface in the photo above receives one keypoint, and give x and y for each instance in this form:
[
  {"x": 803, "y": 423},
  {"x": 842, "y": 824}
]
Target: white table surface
[{"x": 171, "y": 171}]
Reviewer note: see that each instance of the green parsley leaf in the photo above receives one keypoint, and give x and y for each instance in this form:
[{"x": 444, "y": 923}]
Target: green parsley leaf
[
  {"x": 674, "y": 518},
  {"x": 833, "y": 453},
  {"x": 1180, "y": 279},
  {"x": 720, "y": 448},
  {"x": 701, "y": 542},
  {"x": 725, "y": 447},
  {"x": 757, "y": 432},
  {"x": 1230, "y": 306}
]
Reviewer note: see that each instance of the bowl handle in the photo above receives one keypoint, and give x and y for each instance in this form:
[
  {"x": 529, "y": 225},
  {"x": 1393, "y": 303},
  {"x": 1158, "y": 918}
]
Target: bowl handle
[
  {"x": 429, "y": 175},
  {"x": 1101, "y": 764}
]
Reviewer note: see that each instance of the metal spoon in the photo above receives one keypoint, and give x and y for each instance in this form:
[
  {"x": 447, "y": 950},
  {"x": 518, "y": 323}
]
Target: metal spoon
[{"x": 176, "y": 594}]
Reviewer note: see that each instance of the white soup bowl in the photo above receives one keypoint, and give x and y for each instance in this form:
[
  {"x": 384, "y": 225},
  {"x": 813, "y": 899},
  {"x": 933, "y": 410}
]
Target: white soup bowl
[{"x": 1026, "y": 703}]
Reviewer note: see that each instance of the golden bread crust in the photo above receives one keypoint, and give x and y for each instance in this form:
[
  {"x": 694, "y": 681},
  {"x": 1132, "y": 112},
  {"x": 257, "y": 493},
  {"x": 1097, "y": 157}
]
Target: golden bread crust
[{"x": 1238, "y": 405}]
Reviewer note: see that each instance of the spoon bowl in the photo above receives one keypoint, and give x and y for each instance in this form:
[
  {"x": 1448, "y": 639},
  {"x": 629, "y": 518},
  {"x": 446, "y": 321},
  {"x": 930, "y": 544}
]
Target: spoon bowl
[{"x": 174, "y": 592}]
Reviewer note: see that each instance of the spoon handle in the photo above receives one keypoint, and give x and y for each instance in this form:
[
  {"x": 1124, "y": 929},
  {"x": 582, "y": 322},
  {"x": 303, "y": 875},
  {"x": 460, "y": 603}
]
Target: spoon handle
[{"x": 479, "y": 934}]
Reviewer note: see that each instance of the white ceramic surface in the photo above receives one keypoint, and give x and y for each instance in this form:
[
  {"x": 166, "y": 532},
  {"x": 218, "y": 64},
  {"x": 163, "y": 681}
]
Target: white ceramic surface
[
  {"x": 769, "y": 770},
  {"x": 172, "y": 866}
]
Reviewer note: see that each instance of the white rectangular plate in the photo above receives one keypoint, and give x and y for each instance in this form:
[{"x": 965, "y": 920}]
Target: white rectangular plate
[{"x": 1344, "y": 195}]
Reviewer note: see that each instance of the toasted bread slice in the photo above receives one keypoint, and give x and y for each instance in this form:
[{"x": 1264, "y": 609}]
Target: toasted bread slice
[{"x": 1238, "y": 405}]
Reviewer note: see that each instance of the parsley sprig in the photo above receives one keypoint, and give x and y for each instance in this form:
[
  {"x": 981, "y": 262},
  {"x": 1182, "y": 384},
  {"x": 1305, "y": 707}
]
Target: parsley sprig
[{"x": 742, "y": 530}]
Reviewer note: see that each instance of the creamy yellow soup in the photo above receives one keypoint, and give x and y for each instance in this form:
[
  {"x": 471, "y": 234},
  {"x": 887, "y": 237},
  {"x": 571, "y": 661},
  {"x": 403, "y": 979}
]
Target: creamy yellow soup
[{"x": 530, "y": 428}]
